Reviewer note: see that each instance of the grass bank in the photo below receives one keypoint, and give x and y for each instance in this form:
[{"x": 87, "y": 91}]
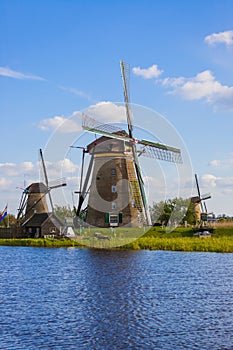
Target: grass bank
[
  {"x": 39, "y": 242},
  {"x": 180, "y": 239}
]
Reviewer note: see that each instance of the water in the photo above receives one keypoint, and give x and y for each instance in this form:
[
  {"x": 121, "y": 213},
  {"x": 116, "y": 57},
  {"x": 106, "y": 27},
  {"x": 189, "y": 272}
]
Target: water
[{"x": 90, "y": 299}]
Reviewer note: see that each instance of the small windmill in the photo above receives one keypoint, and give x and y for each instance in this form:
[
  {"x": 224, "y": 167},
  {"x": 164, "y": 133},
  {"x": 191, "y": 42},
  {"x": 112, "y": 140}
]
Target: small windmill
[
  {"x": 116, "y": 193},
  {"x": 199, "y": 203},
  {"x": 33, "y": 199}
]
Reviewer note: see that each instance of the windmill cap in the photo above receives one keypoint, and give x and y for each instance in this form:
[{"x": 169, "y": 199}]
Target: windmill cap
[
  {"x": 37, "y": 187},
  {"x": 104, "y": 138}
]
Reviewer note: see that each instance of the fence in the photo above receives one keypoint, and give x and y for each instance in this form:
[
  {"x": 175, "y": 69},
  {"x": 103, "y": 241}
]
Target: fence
[{"x": 11, "y": 232}]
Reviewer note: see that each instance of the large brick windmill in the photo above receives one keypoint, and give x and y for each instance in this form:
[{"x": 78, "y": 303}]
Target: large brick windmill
[{"x": 116, "y": 192}]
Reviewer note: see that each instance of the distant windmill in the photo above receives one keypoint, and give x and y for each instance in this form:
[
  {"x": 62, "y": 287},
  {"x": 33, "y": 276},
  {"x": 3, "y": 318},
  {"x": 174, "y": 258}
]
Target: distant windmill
[
  {"x": 116, "y": 193},
  {"x": 33, "y": 199},
  {"x": 199, "y": 203}
]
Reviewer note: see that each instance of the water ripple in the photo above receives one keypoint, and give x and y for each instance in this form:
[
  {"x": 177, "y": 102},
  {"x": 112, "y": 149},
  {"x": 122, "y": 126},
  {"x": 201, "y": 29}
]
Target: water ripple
[{"x": 91, "y": 299}]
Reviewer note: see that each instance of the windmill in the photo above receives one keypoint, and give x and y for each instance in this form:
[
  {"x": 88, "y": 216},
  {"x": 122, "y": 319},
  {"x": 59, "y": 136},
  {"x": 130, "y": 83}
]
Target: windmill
[
  {"x": 199, "y": 203},
  {"x": 116, "y": 193},
  {"x": 33, "y": 199}
]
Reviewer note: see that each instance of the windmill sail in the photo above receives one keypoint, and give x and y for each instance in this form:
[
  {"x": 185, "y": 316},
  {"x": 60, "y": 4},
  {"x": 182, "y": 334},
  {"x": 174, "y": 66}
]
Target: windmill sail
[
  {"x": 115, "y": 156},
  {"x": 59, "y": 183},
  {"x": 149, "y": 148},
  {"x": 46, "y": 179},
  {"x": 125, "y": 78},
  {"x": 160, "y": 151},
  {"x": 124, "y": 69},
  {"x": 83, "y": 193}
]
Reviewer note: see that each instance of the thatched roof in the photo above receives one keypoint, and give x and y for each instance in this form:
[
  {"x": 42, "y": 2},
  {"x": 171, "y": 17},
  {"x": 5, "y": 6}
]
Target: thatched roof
[{"x": 37, "y": 220}]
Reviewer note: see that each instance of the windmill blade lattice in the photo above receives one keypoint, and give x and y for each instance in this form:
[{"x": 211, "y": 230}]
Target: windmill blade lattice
[
  {"x": 160, "y": 151},
  {"x": 149, "y": 149},
  {"x": 125, "y": 78},
  {"x": 92, "y": 125}
]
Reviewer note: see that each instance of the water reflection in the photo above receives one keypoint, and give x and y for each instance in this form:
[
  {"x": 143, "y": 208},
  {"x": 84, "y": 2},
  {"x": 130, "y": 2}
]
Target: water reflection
[{"x": 99, "y": 299}]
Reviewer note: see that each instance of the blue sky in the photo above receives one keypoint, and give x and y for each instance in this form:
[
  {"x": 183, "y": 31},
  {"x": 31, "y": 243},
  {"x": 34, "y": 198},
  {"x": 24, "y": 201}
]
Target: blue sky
[{"x": 61, "y": 57}]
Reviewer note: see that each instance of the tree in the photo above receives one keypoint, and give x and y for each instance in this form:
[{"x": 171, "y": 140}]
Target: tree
[
  {"x": 62, "y": 212},
  {"x": 173, "y": 212},
  {"x": 9, "y": 220}
]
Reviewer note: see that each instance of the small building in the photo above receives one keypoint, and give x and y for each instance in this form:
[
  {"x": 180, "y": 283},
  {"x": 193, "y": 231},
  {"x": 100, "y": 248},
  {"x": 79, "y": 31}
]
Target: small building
[{"x": 43, "y": 224}]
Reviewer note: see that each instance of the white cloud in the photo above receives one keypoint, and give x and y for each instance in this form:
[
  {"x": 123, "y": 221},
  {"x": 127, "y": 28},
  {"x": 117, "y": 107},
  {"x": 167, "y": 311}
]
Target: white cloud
[
  {"x": 202, "y": 86},
  {"x": 107, "y": 112},
  {"x": 68, "y": 166},
  {"x": 5, "y": 184},
  {"x": 148, "y": 73},
  {"x": 13, "y": 169},
  {"x": 59, "y": 169},
  {"x": 76, "y": 92},
  {"x": 221, "y": 163},
  {"x": 211, "y": 181},
  {"x": 7, "y": 72},
  {"x": 29, "y": 169},
  {"x": 214, "y": 162},
  {"x": 62, "y": 124},
  {"x": 102, "y": 111},
  {"x": 220, "y": 38}
]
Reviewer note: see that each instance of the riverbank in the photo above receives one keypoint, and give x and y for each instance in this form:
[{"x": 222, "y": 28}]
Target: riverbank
[{"x": 180, "y": 239}]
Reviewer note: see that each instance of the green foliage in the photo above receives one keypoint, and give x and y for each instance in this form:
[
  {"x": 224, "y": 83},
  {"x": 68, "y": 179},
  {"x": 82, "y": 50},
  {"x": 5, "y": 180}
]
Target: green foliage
[
  {"x": 180, "y": 239},
  {"x": 173, "y": 211},
  {"x": 8, "y": 220},
  {"x": 189, "y": 244},
  {"x": 62, "y": 212},
  {"x": 39, "y": 242}
]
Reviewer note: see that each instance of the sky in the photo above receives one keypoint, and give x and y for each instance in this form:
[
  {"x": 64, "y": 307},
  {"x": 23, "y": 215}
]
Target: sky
[{"x": 59, "y": 58}]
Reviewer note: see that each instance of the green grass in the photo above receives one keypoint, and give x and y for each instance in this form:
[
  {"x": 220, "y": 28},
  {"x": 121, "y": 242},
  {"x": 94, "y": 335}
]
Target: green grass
[
  {"x": 189, "y": 244},
  {"x": 39, "y": 242},
  {"x": 180, "y": 239}
]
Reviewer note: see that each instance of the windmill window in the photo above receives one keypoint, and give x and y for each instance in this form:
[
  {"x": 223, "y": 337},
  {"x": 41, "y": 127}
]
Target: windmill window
[
  {"x": 113, "y": 171},
  {"x": 113, "y": 219},
  {"x": 113, "y": 205},
  {"x": 114, "y": 189}
]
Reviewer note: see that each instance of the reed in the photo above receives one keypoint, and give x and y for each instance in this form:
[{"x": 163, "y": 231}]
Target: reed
[
  {"x": 189, "y": 244},
  {"x": 157, "y": 238}
]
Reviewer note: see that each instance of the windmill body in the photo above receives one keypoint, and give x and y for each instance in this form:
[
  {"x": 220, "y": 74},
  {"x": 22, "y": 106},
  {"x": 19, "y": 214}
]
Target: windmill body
[
  {"x": 33, "y": 200},
  {"x": 117, "y": 194},
  {"x": 114, "y": 198},
  {"x": 201, "y": 214},
  {"x": 36, "y": 199}
]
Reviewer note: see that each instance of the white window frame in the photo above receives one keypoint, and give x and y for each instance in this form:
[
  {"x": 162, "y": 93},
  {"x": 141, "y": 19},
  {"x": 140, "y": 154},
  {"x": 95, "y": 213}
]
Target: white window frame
[
  {"x": 114, "y": 189},
  {"x": 113, "y": 220}
]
